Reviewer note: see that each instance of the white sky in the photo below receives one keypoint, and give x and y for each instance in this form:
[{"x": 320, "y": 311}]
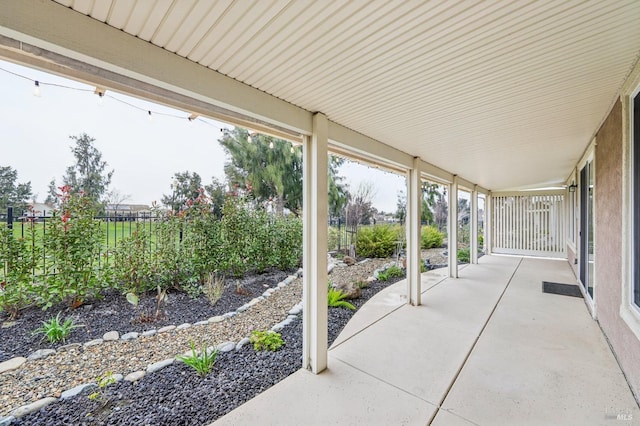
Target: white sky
[{"x": 34, "y": 139}]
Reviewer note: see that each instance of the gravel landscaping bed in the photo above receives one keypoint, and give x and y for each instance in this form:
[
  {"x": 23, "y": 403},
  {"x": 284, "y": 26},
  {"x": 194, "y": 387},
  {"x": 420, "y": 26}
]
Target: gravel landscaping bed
[
  {"x": 175, "y": 394},
  {"x": 113, "y": 312}
]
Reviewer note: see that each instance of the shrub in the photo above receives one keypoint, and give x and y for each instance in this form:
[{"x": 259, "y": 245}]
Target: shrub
[
  {"x": 480, "y": 242},
  {"x": 376, "y": 241},
  {"x": 287, "y": 234},
  {"x": 464, "y": 255},
  {"x": 132, "y": 267},
  {"x": 72, "y": 243},
  {"x": 203, "y": 362},
  {"x": 202, "y": 240},
  {"x": 335, "y": 299},
  {"x": 266, "y": 340},
  {"x": 431, "y": 238},
  {"x": 18, "y": 258},
  {"x": 55, "y": 330},
  {"x": 170, "y": 267},
  {"x": 391, "y": 272}
]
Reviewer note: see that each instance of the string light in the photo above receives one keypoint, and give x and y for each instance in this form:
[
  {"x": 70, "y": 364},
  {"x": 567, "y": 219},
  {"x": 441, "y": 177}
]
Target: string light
[
  {"x": 271, "y": 145},
  {"x": 292, "y": 149},
  {"x": 101, "y": 92}
]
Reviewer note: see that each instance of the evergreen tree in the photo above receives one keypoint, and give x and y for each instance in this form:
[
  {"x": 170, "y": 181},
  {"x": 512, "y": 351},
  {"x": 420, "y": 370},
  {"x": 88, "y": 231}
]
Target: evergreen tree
[
  {"x": 12, "y": 193},
  {"x": 88, "y": 173},
  {"x": 272, "y": 169}
]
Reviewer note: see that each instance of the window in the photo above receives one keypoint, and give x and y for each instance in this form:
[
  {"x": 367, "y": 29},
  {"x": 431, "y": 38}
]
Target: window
[{"x": 635, "y": 188}]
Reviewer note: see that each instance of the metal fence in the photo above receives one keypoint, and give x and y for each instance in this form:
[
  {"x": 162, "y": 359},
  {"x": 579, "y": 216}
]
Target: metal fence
[
  {"x": 116, "y": 226},
  {"x": 342, "y": 237}
]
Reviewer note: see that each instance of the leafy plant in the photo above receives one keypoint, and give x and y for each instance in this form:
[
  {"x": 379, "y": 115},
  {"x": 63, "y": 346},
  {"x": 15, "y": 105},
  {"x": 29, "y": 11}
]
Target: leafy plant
[
  {"x": 430, "y": 237},
  {"x": 377, "y": 241},
  {"x": 55, "y": 330},
  {"x": 72, "y": 243},
  {"x": 214, "y": 288},
  {"x": 192, "y": 287},
  {"x": 391, "y": 272},
  {"x": 103, "y": 381},
  {"x": 464, "y": 255},
  {"x": 335, "y": 299},
  {"x": 133, "y": 267},
  {"x": 18, "y": 259},
  {"x": 203, "y": 362},
  {"x": 266, "y": 340}
]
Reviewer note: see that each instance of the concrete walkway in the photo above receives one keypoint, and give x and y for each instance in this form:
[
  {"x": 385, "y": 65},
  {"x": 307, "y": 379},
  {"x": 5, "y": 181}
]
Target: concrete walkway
[{"x": 487, "y": 349}]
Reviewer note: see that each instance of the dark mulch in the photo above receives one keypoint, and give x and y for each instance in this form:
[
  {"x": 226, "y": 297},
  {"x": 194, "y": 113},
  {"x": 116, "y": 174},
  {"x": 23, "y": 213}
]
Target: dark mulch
[
  {"x": 176, "y": 395},
  {"x": 113, "y": 312}
]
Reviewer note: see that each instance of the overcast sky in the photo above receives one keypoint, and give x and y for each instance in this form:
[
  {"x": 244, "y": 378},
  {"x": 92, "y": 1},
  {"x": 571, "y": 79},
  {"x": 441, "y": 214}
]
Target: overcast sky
[{"x": 144, "y": 153}]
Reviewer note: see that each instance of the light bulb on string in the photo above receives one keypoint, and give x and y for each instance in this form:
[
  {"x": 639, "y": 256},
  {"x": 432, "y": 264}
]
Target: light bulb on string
[
  {"x": 100, "y": 98},
  {"x": 249, "y": 138},
  {"x": 36, "y": 89},
  {"x": 292, "y": 149},
  {"x": 150, "y": 116},
  {"x": 271, "y": 145}
]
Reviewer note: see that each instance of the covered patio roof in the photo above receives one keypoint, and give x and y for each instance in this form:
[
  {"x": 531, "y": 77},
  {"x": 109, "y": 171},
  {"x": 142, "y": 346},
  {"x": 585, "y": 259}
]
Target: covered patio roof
[{"x": 519, "y": 85}]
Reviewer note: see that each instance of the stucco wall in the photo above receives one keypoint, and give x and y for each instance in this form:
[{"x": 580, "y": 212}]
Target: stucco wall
[{"x": 608, "y": 255}]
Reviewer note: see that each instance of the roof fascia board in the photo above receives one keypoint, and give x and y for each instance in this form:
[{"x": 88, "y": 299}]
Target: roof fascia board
[
  {"x": 351, "y": 143},
  {"x": 529, "y": 193}
]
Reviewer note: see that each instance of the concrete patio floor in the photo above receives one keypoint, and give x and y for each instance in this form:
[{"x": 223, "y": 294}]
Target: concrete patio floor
[{"x": 488, "y": 348}]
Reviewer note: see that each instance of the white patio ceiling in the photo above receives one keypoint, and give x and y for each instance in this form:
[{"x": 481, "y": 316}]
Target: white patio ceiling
[{"x": 506, "y": 94}]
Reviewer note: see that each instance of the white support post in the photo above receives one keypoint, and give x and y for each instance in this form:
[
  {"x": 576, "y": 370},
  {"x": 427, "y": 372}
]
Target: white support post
[
  {"x": 488, "y": 224},
  {"x": 414, "y": 203},
  {"x": 453, "y": 228},
  {"x": 473, "y": 229},
  {"x": 314, "y": 293}
]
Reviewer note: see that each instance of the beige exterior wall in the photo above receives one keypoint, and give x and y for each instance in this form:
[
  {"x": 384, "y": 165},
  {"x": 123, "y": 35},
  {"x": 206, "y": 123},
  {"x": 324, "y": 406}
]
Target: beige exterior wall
[{"x": 608, "y": 251}]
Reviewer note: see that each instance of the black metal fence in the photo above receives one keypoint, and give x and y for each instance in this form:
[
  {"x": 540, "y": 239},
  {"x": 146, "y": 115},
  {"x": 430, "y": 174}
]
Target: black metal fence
[{"x": 115, "y": 227}]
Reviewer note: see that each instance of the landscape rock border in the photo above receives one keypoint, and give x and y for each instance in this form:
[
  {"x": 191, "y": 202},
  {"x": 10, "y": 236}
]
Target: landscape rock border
[{"x": 292, "y": 315}]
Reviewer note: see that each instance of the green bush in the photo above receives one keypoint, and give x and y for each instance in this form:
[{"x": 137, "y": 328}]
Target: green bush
[
  {"x": 391, "y": 272},
  {"x": 132, "y": 267},
  {"x": 72, "y": 244},
  {"x": 266, "y": 340},
  {"x": 18, "y": 258},
  {"x": 430, "y": 237},
  {"x": 377, "y": 241},
  {"x": 464, "y": 255}
]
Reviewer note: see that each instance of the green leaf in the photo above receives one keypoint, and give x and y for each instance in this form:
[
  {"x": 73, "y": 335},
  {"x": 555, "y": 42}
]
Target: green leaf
[{"x": 133, "y": 299}]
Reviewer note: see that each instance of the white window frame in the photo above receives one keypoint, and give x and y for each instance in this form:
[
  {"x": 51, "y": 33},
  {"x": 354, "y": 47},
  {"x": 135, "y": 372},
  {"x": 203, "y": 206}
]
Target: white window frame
[
  {"x": 588, "y": 157},
  {"x": 629, "y": 311}
]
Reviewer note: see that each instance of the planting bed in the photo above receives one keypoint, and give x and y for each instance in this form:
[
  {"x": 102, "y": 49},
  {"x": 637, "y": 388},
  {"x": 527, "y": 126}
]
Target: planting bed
[{"x": 174, "y": 394}]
